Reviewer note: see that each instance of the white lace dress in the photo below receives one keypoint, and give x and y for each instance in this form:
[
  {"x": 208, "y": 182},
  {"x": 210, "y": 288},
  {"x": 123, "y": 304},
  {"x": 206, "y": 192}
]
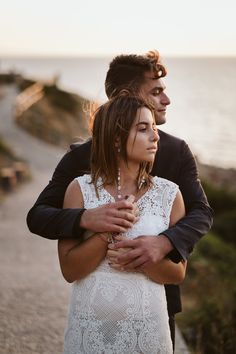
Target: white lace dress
[{"x": 113, "y": 312}]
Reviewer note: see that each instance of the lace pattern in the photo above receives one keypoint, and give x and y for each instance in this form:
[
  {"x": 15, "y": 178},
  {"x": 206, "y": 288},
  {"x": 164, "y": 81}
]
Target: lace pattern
[{"x": 114, "y": 312}]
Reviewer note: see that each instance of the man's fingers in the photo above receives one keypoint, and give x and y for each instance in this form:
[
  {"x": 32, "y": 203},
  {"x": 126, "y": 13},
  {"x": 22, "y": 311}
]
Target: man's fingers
[
  {"x": 121, "y": 214},
  {"x": 122, "y": 222},
  {"x": 138, "y": 263},
  {"x": 123, "y": 244},
  {"x": 126, "y": 214},
  {"x": 136, "y": 212},
  {"x": 113, "y": 254},
  {"x": 123, "y": 204},
  {"x": 116, "y": 266},
  {"x": 128, "y": 257}
]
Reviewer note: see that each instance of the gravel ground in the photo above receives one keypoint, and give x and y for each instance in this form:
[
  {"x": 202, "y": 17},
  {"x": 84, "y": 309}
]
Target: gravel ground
[{"x": 33, "y": 296}]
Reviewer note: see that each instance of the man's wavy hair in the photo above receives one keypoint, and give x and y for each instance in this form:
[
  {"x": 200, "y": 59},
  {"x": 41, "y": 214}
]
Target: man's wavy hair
[
  {"x": 112, "y": 123},
  {"x": 127, "y": 72}
]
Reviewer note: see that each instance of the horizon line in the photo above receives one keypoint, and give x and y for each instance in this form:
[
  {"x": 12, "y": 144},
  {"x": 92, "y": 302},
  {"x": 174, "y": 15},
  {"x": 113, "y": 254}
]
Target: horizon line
[{"x": 99, "y": 56}]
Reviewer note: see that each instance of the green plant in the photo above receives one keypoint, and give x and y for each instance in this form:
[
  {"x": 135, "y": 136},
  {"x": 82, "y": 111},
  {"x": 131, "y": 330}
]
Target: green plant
[{"x": 209, "y": 322}]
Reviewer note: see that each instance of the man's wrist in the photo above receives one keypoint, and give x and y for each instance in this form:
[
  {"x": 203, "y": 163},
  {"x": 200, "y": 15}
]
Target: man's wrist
[
  {"x": 167, "y": 246},
  {"x": 172, "y": 253},
  {"x": 82, "y": 220},
  {"x": 78, "y": 230}
]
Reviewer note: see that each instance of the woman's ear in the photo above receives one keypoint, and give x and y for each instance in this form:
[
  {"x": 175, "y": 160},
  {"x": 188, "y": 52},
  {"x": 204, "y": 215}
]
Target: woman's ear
[{"x": 117, "y": 142}]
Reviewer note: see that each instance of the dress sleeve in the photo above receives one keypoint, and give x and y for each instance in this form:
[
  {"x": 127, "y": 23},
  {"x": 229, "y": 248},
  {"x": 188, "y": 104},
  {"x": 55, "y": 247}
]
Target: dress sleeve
[
  {"x": 84, "y": 182},
  {"x": 169, "y": 191}
]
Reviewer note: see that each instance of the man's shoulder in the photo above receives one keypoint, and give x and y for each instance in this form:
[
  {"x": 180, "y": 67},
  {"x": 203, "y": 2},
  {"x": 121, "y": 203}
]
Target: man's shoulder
[
  {"x": 80, "y": 147},
  {"x": 171, "y": 155},
  {"x": 168, "y": 139},
  {"x": 77, "y": 158}
]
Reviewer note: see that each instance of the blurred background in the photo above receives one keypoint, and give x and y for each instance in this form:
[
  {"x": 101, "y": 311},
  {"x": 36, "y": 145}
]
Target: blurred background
[{"x": 54, "y": 56}]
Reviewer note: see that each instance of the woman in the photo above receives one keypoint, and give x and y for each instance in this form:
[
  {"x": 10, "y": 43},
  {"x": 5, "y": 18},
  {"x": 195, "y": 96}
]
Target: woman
[{"x": 113, "y": 311}]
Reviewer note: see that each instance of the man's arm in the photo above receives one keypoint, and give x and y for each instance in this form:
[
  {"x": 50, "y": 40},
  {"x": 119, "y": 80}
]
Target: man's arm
[
  {"x": 178, "y": 241},
  {"x": 199, "y": 216},
  {"x": 47, "y": 218},
  {"x": 162, "y": 271}
]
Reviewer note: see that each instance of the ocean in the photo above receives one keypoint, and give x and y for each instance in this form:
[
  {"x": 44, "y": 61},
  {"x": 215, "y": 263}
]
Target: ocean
[{"x": 202, "y": 93}]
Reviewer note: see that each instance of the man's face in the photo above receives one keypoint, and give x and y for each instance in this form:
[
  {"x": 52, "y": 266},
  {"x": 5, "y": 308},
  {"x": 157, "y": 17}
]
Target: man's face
[{"x": 153, "y": 89}]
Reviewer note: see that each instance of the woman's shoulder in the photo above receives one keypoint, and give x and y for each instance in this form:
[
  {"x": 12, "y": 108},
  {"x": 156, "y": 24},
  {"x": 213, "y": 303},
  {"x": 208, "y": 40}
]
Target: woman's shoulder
[
  {"x": 166, "y": 192},
  {"x": 163, "y": 183},
  {"x": 86, "y": 178}
]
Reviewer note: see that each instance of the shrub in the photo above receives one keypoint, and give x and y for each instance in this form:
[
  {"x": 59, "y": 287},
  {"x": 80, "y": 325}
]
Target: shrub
[
  {"x": 220, "y": 199},
  {"x": 209, "y": 321},
  {"x": 61, "y": 99},
  {"x": 225, "y": 226}
]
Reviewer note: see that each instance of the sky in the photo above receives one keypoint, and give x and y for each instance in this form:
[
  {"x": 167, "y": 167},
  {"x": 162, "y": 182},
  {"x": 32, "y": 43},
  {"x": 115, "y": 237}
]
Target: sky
[{"x": 108, "y": 27}]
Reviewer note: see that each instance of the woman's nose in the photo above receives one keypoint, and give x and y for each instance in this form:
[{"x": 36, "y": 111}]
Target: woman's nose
[{"x": 155, "y": 135}]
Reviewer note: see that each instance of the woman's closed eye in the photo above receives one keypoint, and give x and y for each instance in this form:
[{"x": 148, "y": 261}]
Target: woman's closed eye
[{"x": 142, "y": 127}]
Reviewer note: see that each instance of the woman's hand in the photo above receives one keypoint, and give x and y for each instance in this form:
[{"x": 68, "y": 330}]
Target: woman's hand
[{"x": 112, "y": 255}]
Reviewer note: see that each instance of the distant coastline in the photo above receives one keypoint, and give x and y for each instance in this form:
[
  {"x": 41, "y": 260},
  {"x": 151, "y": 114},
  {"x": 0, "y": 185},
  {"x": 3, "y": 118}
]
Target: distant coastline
[
  {"x": 220, "y": 177},
  {"x": 198, "y": 113}
]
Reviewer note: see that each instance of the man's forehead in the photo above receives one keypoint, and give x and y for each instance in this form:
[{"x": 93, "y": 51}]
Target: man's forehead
[{"x": 152, "y": 80}]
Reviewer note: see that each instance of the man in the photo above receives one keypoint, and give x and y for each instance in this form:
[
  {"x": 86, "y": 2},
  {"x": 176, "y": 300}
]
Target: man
[{"x": 174, "y": 161}]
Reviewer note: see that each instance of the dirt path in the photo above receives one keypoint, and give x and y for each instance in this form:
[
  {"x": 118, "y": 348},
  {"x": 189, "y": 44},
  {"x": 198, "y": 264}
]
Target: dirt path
[{"x": 33, "y": 295}]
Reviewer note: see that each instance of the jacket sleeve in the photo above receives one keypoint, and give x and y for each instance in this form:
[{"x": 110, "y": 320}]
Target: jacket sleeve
[
  {"x": 199, "y": 216},
  {"x": 47, "y": 218}
]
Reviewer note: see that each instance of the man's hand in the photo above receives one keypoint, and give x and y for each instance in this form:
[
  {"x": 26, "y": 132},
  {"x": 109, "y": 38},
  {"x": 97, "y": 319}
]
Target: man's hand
[
  {"x": 145, "y": 250},
  {"x": 113, "y": 217}
]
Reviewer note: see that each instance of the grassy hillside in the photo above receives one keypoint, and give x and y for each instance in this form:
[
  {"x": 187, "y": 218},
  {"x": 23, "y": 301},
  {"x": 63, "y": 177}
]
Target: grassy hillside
[
  {"x": 208, "y": 320},
  {"x": 6, "y": 154},
  {"x": 59, "y": 117}
]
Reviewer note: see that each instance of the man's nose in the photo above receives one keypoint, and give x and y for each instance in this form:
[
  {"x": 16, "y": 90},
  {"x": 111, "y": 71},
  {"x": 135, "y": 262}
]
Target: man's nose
[{"x": 165, "y": 99}]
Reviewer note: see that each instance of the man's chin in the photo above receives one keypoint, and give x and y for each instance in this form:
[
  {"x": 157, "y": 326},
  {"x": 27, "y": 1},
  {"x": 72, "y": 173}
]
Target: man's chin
[
  {"x": 160, "y": 118},
  {"x": 161, "y": 121}
]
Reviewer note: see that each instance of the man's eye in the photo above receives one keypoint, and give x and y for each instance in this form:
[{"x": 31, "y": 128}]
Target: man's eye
[{"x": 156, "y": 93}]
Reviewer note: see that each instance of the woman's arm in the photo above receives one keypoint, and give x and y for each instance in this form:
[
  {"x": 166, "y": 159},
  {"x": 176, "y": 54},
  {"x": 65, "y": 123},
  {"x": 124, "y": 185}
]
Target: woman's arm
[
  {"x": 166, "y": 271},
  {"x": 79, "y": 259}
]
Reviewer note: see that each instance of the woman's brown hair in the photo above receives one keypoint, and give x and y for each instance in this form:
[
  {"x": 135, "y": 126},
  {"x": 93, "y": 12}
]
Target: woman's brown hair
[{"x": 111, "y": 126}]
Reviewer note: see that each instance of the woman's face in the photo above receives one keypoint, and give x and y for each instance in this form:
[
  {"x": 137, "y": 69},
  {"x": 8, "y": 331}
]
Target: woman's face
[{"x": 143, "y": 138}]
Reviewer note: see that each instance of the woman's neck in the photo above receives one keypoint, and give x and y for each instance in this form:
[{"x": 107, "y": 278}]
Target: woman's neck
[
  {"x": 127, "y": 184},
  {"x": 128, "y": 174}
]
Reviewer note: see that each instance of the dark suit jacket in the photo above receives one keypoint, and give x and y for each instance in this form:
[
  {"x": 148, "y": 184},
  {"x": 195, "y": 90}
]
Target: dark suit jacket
[{"x": 174, "y": 161}]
